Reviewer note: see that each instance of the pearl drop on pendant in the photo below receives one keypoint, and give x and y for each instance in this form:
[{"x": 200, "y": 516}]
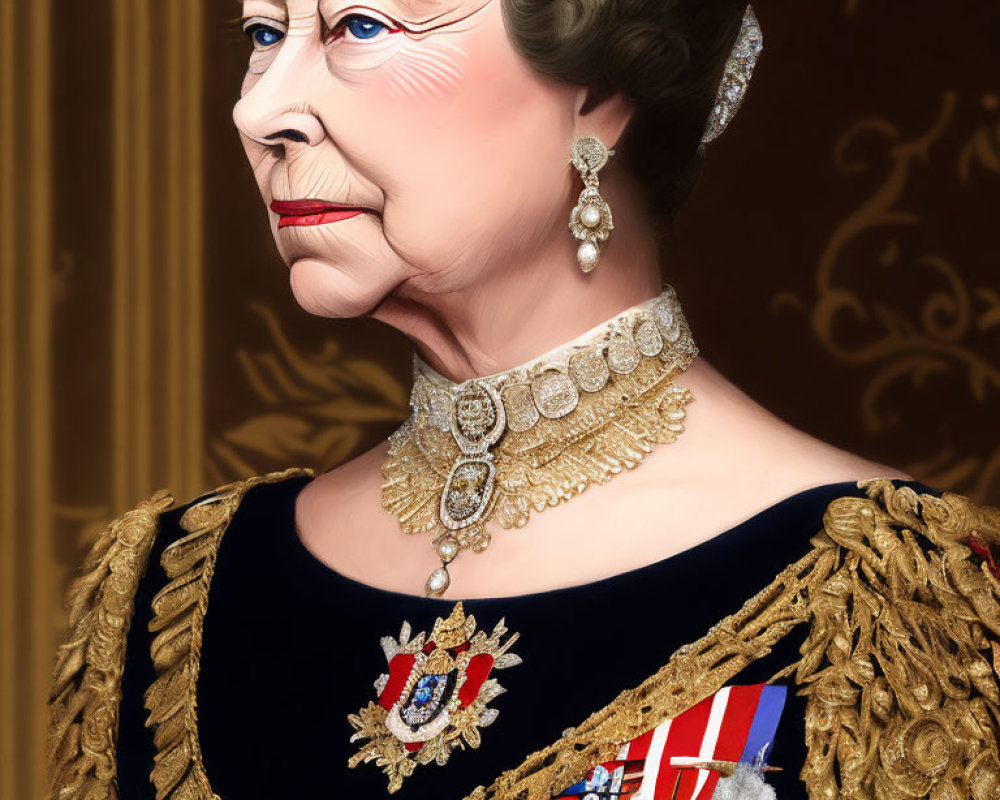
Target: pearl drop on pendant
[
  {"x": 587, "y": 255},
  {"x": 447, "y": 550},
  {"x": 438, "y": 582},
  {"x": 590, "y": 217}
]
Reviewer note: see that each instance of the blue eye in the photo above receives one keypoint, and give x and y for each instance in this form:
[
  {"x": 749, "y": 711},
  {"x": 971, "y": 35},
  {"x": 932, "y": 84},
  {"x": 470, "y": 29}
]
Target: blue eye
[
  {"x": 264, "y": 35},
  {"x": 362, "y": 27}
]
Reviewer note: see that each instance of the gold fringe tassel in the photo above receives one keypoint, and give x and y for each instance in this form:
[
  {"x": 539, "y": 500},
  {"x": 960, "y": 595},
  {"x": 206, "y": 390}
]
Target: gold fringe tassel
[
  {"x": 179, "y": 614},
  {"x": 86, "y": 684}
]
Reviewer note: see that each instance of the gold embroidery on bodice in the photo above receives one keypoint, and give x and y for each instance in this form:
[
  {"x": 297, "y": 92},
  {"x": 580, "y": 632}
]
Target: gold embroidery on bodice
[{"x": 899, "y": 667}]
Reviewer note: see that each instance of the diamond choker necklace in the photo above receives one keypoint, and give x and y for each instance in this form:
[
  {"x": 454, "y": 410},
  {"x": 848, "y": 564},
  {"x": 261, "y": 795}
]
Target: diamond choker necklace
[{"x": 496, "y": 448}]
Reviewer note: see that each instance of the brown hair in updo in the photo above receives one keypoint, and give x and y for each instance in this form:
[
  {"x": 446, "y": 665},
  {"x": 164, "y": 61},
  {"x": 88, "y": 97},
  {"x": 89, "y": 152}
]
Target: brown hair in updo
[{"x": 665, "y": 56}]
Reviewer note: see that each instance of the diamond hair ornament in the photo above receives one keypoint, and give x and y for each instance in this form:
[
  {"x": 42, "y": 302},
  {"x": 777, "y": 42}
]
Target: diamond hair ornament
[
  {"x": 736, "y": 78},
  {"x": 590, "y": 221}
]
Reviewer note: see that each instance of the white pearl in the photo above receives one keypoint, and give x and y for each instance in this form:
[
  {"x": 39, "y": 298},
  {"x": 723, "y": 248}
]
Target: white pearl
[
  {"x": 588, "y": 254},
  {"x": 590, "y": 217},
  {"x": 438, "y": 582}
]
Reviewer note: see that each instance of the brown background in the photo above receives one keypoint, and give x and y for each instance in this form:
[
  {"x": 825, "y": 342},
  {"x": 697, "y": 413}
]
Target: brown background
[{"x": 839, "y": 262}]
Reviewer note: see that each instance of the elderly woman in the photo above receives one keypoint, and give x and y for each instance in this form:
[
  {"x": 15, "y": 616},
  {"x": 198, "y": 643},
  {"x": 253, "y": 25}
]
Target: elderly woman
[{"x": 587, "y": 565}]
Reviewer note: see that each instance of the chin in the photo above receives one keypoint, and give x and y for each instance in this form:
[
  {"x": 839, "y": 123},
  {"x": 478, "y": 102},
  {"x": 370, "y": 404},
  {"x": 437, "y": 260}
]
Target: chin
[{"x": 323, "y": 290}]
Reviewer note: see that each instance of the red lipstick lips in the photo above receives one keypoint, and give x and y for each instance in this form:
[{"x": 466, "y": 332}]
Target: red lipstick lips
[{"x": 312, "y": 212}]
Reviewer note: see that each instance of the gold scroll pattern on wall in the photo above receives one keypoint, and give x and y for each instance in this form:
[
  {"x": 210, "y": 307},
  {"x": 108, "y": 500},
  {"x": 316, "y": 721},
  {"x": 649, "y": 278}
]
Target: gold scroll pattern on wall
[{"x": 948, "y": 330}]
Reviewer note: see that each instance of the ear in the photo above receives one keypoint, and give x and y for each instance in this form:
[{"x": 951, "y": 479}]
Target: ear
[{"x": 601, "y": 113}]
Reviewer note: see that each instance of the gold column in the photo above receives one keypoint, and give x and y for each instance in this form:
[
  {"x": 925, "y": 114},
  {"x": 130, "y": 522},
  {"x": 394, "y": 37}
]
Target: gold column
[
  {"x": 26, "y": 521},
  {"x": 157, "y": 233}
]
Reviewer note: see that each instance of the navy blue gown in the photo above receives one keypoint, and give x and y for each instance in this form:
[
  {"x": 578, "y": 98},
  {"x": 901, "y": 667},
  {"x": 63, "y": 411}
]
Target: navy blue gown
[{"x": 291, "y": 648}]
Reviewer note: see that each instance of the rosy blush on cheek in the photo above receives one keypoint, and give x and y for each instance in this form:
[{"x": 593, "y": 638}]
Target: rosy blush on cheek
[{"x": 502, "y": 78}]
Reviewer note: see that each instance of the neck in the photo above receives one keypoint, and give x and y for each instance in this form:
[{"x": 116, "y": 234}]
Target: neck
[{"x": 531, "y": 304}]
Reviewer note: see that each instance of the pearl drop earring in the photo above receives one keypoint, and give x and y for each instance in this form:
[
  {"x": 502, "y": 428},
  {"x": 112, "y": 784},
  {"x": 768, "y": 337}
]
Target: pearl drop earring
[{"x": 590, "y": 221}]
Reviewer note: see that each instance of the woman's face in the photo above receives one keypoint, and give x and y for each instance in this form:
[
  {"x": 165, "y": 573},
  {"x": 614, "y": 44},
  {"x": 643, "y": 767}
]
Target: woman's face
[{"x": 444, "y": 151}]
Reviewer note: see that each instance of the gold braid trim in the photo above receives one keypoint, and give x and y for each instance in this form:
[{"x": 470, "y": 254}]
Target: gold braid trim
[
  {"x": 903, "y": 698},
  {"x": 86, "y": 683},
  {"x": 179, "y": 614},
  {"x": 694, "y": 672},
  {"x": 899, "y": 665}
]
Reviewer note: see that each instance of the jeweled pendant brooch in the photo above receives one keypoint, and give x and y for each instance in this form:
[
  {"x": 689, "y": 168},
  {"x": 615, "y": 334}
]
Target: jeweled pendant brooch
[{"x": 435, "y": 697}]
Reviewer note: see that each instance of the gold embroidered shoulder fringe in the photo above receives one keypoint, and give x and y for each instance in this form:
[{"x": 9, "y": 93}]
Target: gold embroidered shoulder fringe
[
  {"x": 86, "y": 684},
  {"x": 178, "y": 618},
  {"x": 899, "y": 667}
]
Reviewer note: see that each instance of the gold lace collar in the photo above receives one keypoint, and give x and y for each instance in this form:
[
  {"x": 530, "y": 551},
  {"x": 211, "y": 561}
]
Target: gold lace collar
[{"x": 496, "y": 448}]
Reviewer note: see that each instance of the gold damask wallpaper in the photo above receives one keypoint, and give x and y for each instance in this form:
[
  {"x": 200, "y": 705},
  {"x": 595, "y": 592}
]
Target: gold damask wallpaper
[{"x": 838, "y": 261}]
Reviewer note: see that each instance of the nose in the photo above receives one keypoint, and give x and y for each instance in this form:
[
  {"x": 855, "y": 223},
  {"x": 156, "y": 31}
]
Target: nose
[
  {"x": 283, "y": 127},
  {"x": 276, "y": 111},
  {"x": 280, "y": 126}
]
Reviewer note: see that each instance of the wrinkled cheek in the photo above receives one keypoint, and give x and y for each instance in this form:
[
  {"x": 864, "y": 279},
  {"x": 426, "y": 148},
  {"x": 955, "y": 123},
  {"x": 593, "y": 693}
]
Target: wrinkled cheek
[
  {"x": 430, "y": 74},
  {"x": 422, "y": 232},
  {"x": 261, "y": 163},
  {"x": 419, "y": 73}
]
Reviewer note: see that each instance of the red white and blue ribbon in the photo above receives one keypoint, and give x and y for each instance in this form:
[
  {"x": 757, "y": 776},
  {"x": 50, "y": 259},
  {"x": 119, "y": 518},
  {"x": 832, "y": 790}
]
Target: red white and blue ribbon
[{"x": 736, "y": 724}]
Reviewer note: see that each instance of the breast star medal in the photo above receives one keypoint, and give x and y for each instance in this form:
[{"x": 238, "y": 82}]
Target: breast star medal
[{"x": 435, "y": 696}]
